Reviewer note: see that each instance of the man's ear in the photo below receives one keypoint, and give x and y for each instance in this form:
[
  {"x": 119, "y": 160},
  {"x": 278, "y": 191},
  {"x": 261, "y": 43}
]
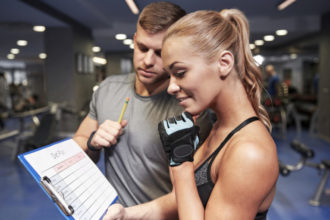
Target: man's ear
[
  {"x": 225, "y": 63},
  {"x": 134, "y": 37}
]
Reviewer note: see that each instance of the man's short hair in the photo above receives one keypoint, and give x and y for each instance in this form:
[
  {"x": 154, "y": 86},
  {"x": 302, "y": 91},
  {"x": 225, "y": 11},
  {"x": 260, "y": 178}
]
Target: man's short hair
[{"x": 158, "y": 16}]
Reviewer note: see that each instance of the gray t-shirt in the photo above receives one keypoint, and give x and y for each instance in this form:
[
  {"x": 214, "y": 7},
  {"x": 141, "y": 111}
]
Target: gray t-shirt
[{"x": 136, "y": 166}]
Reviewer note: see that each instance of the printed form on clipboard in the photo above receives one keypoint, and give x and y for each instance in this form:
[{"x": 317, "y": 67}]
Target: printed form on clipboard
[{"x": 71, "y": 179}]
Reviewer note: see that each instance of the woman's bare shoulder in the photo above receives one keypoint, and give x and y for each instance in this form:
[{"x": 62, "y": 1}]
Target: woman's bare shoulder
[{"x": 253, "y": 152}]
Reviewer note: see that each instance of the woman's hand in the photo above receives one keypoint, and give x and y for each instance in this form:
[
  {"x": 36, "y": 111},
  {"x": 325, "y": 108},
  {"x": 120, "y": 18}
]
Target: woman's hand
[
  {"x": 179, "y": 137},
  {"x": 115, "y": 212}
]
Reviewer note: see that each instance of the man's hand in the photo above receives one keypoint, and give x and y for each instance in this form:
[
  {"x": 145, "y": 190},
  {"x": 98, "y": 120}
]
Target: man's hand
[
  {"x": 115, "y": 212},
  {"x": 179, "y": 137},
  {"x": 107, "y": 134}
]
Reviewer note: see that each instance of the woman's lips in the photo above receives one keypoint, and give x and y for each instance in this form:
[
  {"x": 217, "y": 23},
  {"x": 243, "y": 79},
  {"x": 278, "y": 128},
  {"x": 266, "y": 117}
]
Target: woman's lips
[{"x": 181, "y": 100}]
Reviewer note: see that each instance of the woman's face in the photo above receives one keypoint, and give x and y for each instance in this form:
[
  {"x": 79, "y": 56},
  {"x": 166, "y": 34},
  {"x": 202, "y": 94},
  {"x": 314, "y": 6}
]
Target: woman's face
[{"x": 195, "y": 82}]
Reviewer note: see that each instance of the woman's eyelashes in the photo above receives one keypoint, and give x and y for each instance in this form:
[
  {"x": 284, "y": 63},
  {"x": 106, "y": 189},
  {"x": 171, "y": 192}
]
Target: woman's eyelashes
[{"x": 179, "y": 73}]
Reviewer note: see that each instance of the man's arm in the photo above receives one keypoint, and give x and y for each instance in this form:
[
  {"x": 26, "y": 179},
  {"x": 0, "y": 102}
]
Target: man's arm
[
  {"x": 105, "y": 135},
  {"x": 87, "y": 126},
  {"x": 162, "y": 208}
]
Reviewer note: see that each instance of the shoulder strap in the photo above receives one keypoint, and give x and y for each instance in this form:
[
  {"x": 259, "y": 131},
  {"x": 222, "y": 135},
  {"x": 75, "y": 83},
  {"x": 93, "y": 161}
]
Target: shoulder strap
[{"x": 234, "y": 131}]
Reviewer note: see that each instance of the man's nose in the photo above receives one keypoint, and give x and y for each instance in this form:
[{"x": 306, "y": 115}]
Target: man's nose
[{"x": 149, "y": 58}]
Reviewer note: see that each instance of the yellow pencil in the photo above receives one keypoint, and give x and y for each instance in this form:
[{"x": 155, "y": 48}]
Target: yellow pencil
[{"x": 123, "y": 110}]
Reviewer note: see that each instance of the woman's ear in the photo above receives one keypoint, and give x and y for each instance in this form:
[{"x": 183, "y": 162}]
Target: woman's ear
[{"x": 225, "y": 63}]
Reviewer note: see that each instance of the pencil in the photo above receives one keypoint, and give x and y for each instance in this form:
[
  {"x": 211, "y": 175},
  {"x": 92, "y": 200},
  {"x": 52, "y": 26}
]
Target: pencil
[{"x": 123, "y": 110}]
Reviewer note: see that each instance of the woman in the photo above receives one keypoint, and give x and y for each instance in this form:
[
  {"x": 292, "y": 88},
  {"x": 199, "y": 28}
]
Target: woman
[{"x": 234, "y": 172}]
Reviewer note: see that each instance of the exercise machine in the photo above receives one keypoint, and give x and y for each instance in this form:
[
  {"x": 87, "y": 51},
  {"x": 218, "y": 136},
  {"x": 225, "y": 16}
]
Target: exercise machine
[{"x": 306, "y": 153}]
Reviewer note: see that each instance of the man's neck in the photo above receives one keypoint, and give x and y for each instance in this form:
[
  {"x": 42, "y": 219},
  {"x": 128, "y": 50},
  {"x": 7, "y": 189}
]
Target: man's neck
[{"x": 149, "y": 90}]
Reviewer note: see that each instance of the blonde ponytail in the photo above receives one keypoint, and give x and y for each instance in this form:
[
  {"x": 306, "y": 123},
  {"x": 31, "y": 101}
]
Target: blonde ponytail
[{"x": 248, "y": 71}]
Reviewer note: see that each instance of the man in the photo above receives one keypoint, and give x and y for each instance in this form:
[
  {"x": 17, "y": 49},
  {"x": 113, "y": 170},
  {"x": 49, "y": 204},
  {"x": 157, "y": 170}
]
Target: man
[
  {"x": 5, "y": 102},
  {"x": 274, "y": 85},
  {"x": 135, "y": 162}
]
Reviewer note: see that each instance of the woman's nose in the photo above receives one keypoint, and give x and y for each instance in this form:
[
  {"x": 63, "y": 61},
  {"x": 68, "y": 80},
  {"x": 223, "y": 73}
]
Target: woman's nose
[{"x": 173, "y": 87}]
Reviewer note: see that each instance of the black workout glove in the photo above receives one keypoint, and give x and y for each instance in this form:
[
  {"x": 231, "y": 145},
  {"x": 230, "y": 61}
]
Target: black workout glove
[{"x": 179, "y": 137}]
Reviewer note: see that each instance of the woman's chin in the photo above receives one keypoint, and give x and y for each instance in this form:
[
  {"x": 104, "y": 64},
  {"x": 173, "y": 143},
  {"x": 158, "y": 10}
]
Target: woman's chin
[{"x": 193, "y": 113}]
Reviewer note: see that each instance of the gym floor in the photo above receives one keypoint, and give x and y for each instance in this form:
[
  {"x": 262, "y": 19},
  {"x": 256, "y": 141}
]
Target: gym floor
[{"x": 21, "y": 197}]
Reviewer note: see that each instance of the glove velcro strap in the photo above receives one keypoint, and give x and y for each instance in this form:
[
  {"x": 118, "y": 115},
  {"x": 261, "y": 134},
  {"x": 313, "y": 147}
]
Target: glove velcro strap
[{"x": 182, "y": 153}]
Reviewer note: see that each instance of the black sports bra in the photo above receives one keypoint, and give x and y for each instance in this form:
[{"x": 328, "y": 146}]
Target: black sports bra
[{"x": 202, "y": 173}]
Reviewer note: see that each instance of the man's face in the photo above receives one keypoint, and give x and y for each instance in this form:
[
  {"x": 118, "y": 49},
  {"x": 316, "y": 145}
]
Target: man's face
[
  {"x": 147, "y": 59},
  {"x": 270, "y": 70}
]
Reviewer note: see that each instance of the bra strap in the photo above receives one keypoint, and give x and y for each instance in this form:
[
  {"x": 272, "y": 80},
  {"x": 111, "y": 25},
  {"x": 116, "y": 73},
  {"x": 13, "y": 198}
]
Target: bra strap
[{"x": 239, "y": 127}]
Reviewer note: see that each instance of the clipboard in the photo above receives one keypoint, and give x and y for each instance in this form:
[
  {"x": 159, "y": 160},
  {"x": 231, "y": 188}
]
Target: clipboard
[{"x": 70, "y": 179}]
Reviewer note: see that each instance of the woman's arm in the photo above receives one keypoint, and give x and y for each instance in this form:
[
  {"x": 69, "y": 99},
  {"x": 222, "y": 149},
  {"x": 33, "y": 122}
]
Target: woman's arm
[
  {"x": 246, "y": 178},
  {"x": 189, "y": 204}
]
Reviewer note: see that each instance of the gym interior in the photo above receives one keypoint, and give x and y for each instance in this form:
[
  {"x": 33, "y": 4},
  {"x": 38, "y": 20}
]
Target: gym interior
[{"x": 54, "y": 54}]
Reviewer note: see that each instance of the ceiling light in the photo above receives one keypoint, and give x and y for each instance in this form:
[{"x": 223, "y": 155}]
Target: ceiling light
[
  {"x": 285, "y": 4},
  {"x": 293, "y": 56},
  {"x": 95, "y": 88},
  {"x": 281, "y": 32},
  {"x": 259, "y": 59},
  {"x": 22, "y": 43},
  {"x": 99, "y": 60},
  {"x": 252, "y": 46},
  {"x": 14, "y": 51},
  {"x": 96, "y": 49},
  {"x": 42, "y": 56},
  {"x": 11, "y": 56},
  {"x": 120, "y": 36},
  {"x": 131, "y": 46},
  {"x": 25, "y": 83},
  {"x": 128, "y": 41},
  {"x": 131, "y": 4},
  {"x": 269, "y": 37},
  {"x": 39, "y": 28},
  {"x": 259, "y": 42}
]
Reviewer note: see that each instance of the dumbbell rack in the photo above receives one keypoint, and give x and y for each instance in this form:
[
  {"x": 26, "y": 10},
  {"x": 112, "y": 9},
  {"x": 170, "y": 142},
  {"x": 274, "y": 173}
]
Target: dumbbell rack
[
  {"x": 315, "y": 201},
  {"x": 307, "y": 153}
]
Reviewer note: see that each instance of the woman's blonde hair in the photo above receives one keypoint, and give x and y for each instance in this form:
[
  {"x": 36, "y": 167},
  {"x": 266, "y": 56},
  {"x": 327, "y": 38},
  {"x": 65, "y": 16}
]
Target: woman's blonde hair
[{"x": 212, "y": 32}]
